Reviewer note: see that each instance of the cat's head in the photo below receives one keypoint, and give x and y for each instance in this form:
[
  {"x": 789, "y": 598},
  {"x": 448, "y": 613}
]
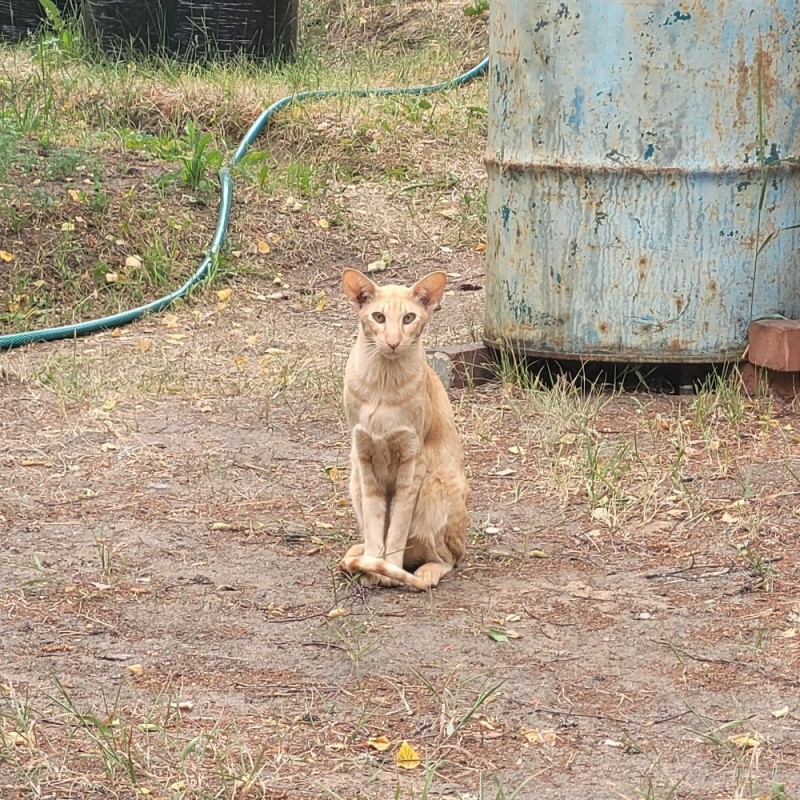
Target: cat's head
[{"x": 393, "y": 317}]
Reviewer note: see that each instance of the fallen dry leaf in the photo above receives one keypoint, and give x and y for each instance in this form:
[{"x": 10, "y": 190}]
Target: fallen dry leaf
[
  {"x": 17, "y": 739},
  {"x": 6, "y": 256},
  {"x": 780, "y": 713},
  {"x": 379, "y": 743},
  {"x": 407, "y": 757},
  {"x": 745, "y": 740},
  {"x": 263, "y": 247},
  {"x": 537, "y": 736},
  {"x": 224, "y": 294}
]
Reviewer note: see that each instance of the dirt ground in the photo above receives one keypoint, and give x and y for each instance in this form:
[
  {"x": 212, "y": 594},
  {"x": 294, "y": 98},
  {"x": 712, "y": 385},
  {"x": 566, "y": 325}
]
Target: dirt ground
[
  {"x": 181, "y": 550},
  {"x": 173, "y": 500}
]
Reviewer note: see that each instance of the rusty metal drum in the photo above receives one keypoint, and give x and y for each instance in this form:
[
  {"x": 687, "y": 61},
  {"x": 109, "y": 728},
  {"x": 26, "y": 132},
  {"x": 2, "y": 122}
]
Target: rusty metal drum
[{"x": 643, "y": 177}]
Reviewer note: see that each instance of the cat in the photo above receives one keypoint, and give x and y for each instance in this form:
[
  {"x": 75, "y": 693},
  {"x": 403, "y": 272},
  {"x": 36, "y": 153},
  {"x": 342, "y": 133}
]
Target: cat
[{"x": 407, "y": 481}]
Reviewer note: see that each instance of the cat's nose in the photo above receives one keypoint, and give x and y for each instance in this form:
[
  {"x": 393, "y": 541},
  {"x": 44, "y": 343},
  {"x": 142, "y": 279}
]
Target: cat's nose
[{"x": 393, "y": 345}]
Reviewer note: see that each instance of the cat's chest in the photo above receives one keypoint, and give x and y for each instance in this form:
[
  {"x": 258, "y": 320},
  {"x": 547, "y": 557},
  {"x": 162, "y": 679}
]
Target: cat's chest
[{"x": 380, "y": 420}]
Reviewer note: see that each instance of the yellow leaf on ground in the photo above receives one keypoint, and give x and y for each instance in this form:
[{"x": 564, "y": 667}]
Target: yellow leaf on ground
[
  {"x": 263, "y": 247},
  {"x": 745, "y": 740},
  {"x": 75, "y": 195},
  {"x": 332, "y": 472},
  {"x": 17, "y": 739},
  {"x": 109, "y": 405},
  {"x": 170, "y": 321},
  {"x": 6, "y": 256},
  {"x": 224, "y": 294},
  {"x": 322, "y": 223},
  {"x": 780, "y": 713},
  {"x": 67, "y": 226},
  {"x": 537, "y": 736},
  {"x": 135, "y": 669},
  {"x": 379, "y": 743},
  {"x": 335, "y": 613},
  {"x": 407, "y": 757}
]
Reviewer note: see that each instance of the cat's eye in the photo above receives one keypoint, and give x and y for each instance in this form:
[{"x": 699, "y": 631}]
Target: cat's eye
[
  {"x": 378, "y": 317},
  {"x": 409, "y": 318}
]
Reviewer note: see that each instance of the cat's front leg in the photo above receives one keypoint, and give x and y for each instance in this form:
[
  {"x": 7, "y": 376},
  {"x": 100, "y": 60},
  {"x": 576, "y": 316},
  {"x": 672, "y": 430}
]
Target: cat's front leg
[
  {"x": 371, "y": 502},
  {"x": 404, "y": 444}
]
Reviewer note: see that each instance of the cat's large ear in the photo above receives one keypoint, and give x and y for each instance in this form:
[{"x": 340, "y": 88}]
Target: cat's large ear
[
  {"x": 430, "y": 289},
  {"x": 358, "y": 288}
]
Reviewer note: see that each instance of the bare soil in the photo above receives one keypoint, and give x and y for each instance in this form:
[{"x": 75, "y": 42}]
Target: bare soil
[{"x": 195, "y": 536}]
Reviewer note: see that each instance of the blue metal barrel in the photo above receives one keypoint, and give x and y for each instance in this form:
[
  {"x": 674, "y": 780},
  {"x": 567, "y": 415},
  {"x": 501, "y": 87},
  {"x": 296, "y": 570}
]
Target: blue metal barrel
[{"x": 643, "y": 176}]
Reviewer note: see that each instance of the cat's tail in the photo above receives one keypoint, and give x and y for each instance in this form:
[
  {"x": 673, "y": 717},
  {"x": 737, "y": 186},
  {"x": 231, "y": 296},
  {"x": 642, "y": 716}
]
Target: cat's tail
[{"x": 378, "y": 566}]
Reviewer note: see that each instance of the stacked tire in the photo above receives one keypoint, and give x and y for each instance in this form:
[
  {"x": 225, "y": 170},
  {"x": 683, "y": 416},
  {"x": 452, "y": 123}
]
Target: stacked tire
[
  {"x": 21, "y": 18},
  {"x": 144, "y": 25},
  {"x": 209, "y": 28},
  {"x": 196, "y": 29}
]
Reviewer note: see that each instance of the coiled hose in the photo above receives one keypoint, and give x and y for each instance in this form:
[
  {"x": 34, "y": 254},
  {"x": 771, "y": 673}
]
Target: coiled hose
[{"x": 12, "y": 340}]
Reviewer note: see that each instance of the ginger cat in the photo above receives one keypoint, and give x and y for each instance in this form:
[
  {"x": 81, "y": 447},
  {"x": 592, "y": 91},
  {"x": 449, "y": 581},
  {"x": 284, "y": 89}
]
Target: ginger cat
[{"x": 407, "y": 480}]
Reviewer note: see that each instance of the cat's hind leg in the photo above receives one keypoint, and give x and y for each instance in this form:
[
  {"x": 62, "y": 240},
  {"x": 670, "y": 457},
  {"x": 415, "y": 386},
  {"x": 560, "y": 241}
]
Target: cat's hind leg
[{"x": 355, "y": 551}]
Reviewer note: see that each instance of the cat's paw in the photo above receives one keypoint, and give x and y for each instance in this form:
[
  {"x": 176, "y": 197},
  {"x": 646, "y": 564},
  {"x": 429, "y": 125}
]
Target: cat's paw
[
  {"x": 432, "y": 573},
  {"x": 369, "y": 579}
]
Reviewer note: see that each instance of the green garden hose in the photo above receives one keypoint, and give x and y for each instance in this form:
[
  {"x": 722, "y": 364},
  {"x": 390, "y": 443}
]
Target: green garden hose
[{"x": 12, "y": 340}]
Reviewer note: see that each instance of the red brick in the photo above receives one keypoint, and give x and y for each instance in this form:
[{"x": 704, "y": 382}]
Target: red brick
[
  {"x": 758, "y": 381},
  {"x": 472, "y": 363},
  {"x": 775, "y": 344}
]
